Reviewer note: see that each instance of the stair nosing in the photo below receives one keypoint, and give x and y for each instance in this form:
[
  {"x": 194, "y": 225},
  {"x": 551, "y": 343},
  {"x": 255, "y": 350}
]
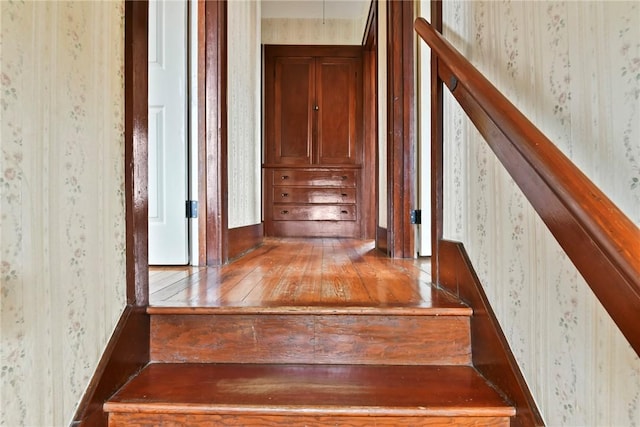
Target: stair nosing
[
  {"x": 317, "y": 310},
  {"x": 320, "y": 410}
]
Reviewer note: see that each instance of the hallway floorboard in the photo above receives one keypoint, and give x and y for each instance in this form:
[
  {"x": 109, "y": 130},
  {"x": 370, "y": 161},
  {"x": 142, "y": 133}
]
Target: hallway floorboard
[{"x": 319, "y": 275}]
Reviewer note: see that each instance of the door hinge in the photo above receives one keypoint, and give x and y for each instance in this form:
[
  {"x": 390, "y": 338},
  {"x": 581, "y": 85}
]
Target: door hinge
[
  {"x": 192, "y": 208},
  {"x": 416, "y": 216}
]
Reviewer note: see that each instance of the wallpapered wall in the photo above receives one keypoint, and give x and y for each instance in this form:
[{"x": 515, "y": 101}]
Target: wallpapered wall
[
  {"x": 312, "y": 31},
  {"x": 244, "y": 113},
  {"x": 574, "y": 69},
  {"x": 62, "y": 204},
  {"x": 382, "y": 114}
]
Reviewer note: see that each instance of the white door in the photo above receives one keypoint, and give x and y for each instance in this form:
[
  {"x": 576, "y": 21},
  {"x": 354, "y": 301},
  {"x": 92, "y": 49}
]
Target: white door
[{"x": 168, "y": 243}]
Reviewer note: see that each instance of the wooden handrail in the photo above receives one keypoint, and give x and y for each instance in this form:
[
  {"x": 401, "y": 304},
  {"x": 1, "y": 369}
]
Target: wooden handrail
[{"x": 601, "y": 241}]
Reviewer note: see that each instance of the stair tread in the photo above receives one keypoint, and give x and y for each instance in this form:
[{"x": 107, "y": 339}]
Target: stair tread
[{"x": 310, "y": 389}]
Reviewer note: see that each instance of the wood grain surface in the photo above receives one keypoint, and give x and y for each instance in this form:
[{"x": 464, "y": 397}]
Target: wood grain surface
[
  {"x": 311, "y": 273},
  {"x": 180, "y": 420},
  {"x": 309, "y": 338},
  {"x": 310, "y": 390}
]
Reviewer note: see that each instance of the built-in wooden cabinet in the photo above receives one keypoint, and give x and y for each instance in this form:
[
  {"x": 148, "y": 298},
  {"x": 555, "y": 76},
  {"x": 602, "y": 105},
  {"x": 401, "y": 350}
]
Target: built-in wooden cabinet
[{"x": 313, "y": 141}]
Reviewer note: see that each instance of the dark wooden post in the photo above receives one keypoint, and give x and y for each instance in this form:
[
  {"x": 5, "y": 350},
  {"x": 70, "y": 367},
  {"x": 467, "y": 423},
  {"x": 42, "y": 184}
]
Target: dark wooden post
[
  {"x": 437, "y": 163},
  {"x": 216, "y": 200},
  {"x": 135, "y": 151},
  {"x": 401, "y": 121}
]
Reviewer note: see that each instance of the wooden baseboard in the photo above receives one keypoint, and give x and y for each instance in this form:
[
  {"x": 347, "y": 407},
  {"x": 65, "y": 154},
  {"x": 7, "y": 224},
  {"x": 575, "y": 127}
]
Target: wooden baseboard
[
  {"x": 381, "y": 239},
  {"x": 334, "y": 229},
  {"x": 243, "y": 239},
  {"x": 492, "y": 356},
  {"x": 125, "y": 355}
]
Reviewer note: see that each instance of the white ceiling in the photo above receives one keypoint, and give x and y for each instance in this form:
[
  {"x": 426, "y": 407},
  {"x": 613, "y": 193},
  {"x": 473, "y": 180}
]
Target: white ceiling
[{"x": 318, "y": 9}]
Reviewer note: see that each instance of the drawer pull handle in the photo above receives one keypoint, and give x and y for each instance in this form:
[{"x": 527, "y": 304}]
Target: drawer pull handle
[
  {"x": 285, "y": 194},
  {"x": 344, "y": 177},
  {"x": 344, "y": 194},
  {"x": 285, "y": 177},
  {"x": 344, "y": 212},
  {"x": 284, "y": 212}
]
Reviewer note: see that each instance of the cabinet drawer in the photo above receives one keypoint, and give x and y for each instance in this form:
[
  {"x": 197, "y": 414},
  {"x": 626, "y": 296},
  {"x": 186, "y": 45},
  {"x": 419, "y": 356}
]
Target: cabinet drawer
[
  {"x": 314, "y": 195},
  {"x": 314, "y": 213},
  {"x": 326, "y": 178}
]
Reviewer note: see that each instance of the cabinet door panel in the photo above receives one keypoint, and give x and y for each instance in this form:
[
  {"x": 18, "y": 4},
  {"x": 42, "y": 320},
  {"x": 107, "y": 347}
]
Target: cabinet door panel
[
  {"x": 337, "y": 110},
  {"x": 294, "y": 89}
]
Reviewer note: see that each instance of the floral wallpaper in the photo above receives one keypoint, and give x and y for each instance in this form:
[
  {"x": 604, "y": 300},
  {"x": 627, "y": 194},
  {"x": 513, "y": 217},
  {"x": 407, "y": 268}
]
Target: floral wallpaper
[
  {"x": 244, "y": 114},
  {"x": 574, "y": 69},
  {"x": 62, "y": 252}
]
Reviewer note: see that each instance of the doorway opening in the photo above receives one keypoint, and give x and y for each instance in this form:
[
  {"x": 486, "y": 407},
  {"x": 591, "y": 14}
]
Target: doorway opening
[{"x": 170, "y": 136}]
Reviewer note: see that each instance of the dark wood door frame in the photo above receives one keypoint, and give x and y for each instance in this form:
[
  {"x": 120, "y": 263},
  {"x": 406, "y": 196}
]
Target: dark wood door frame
[
  {"x": 136, "y": 152},
  {"x": 370, "y": 108},
  {"x": 401, "y": 120},
  {"x": 212, "y": 168},
  {"x": 215, "y": 180}
]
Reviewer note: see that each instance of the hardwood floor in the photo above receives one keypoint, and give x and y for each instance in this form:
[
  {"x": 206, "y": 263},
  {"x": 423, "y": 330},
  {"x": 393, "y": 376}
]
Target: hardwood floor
[{"x": 302, "y": 274}]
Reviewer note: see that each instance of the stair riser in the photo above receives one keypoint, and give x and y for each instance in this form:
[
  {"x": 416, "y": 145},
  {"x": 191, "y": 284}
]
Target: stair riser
[
  {"x": 326, "y": 339},
  {"x": 182, "y": 420}
]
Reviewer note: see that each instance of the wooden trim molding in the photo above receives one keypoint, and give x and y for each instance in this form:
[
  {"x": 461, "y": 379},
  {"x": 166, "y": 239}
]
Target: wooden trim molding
[
  {"x": 243, "y": 239},
  {"x": 135, "y": 151},
  {"x": 437, "y": 150},
  {"x": 401, "y": 119},
  {"x": 216, "y": 202},
  {"x": 202, "y": 133},
  {"x": 125, "y": 355},
  {"x": 601, "y": 241},
  {"x": 492, "y": 356},
  {"x": 369, "y": 36}
]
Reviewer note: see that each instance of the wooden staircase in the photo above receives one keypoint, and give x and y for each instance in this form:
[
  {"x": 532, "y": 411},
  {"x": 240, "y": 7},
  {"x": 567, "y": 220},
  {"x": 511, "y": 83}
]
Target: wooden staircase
[{"x": 311, "y": 366}]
